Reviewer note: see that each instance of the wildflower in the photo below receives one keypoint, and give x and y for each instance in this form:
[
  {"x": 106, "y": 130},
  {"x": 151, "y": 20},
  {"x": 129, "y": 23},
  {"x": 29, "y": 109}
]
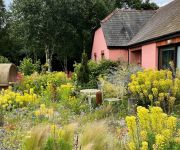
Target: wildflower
[
  {"x": 160, "y": 141},
  {"x": 143, "y": 116},
  {"x": 132, "y": 146},
  {"x": 144, "y": 145},
  {"x": 150, "y": 97},
  {"x": 131, "y": 123},
  {"x": 143, "y": 135}
]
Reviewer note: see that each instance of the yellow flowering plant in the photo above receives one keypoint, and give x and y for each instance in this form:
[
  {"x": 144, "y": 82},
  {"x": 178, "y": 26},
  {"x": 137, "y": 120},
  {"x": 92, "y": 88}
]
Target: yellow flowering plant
[
  {"x": 152, "y": 129},
  {"x": 10, "y": 99},
  {"x": 152, "y": 87},
  {"x": 44, "y": 112}
]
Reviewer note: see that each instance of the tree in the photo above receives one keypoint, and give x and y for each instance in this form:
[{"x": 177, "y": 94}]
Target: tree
[
  {"x": 83, "y": 73},
  {"x": 2, "y": 13},
  {"x": 39, "y": 25},
  {"x": 60, "y": 29},
  {"x": 136, "y": 4}
]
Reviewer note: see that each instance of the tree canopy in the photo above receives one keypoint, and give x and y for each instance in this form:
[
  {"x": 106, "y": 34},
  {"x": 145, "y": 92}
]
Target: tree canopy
[{"x": 55, "y": 31}]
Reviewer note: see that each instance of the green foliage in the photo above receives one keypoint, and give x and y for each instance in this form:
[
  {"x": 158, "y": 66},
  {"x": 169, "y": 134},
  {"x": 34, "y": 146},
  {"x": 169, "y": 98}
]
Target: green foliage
[
  {"x": 4, "y": 59},
  {"x": 95, "y": 70},
  {"x": 136, "y": 4},
  {"x": 28, "y": 67},
  {"x": 39, "y": 82},
  {"x": 83, "y": 73}
]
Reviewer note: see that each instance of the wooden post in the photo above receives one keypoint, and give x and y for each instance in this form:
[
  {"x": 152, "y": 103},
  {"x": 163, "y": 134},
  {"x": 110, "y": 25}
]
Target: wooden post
[{"x": 132, "y": 105}]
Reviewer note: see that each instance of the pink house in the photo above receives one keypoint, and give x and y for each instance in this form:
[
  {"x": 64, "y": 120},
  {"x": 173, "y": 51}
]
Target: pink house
[{"x": 145, "y": 37}]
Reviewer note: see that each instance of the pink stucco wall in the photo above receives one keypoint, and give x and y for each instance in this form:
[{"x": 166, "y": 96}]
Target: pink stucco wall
[
  {"x": 118, "y": 54},
  {"x": 150, "y": 56},
  {"x": 99, "y": 46}
]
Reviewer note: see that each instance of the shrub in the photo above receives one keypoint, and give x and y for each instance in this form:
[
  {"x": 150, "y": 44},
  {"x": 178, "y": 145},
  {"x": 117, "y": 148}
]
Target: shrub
[
  {"x": 115, "y": 83},
  {"x": 83, "y": 72},
  {"x": 27, "y": 67},
  {"x": 39, "y": 82},
  {"x": 152, "y": 129},
  {"x": 4, "y": 59},
  {"x": 95, "y": 70},
  {"x": 155, "y": 88}
]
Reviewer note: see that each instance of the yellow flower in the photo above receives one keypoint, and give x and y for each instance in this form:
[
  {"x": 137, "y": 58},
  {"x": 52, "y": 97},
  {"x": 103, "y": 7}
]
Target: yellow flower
[
  {"x": 144, "y": 145},
  {"x": 171, "y": 123},
  {"x": 132, "y": 146},
  {"x": 160, "y": 141},
  {"x": 143, "y": 135},
  {"x": 143, "y": 116},
  {"x": 132, "y": 127},
  {"x": 150, "y": 97}
]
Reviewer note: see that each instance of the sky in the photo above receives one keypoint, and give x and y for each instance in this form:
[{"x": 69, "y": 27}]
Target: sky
[{"x": 159, "y": 2}]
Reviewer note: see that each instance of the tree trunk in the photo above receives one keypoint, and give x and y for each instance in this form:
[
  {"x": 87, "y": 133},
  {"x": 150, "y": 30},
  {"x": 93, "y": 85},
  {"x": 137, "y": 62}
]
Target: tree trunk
[{"x": 48, "y": 59}]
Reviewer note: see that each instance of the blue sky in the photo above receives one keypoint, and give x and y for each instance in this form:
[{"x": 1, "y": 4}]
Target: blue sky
[{"x": 159, "y": 2}]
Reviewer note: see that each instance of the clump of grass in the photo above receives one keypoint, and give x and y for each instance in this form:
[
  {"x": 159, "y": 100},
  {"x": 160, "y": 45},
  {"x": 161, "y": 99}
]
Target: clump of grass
[
  {"x": 95, "y": 136},
  {"x": 36, "y": 138}
]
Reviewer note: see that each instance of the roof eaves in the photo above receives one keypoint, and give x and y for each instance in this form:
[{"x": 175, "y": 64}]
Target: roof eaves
[{"x": 156, "y": 39}]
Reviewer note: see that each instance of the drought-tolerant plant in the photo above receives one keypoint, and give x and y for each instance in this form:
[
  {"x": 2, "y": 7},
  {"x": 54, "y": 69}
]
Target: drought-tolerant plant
[
  {"x": 61, "y": 138},
  {"x": 10, "y": 100},
  {"x": 95, "y": 136},
  {"x": 36, "y": 138},
  {"x": 151, "y": 87},
  {"x": 152, "y": 129},
  {"x": 28, "y": 67},
  {"x": 50, "y": 138},
  {"x": 115, "y": 82}
]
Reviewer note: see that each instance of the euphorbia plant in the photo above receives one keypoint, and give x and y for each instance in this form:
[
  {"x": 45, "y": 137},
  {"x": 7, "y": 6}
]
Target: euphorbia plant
[
  {"x": 152, "y": 129},
  {"x": 152, "y": 87}
]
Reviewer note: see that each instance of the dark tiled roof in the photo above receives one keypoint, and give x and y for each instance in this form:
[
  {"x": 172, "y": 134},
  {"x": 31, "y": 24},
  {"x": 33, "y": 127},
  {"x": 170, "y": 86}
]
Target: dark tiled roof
[
  {"x": 164, "y": 22},
  {"x": 122, "y": 25}
]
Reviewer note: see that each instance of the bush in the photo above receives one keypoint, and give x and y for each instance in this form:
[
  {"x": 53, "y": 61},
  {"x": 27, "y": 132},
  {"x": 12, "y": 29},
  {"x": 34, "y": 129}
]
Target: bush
[
  {"x": 4, "y": 59},
  {"x": 27, "y": 67},
  {"x": 40, "y": 82},
  {"x": 83, "y": 72},
  {"x": 95, "y": 70},
  {"x": 115, "y": 83},
  {"x": 155, "y": 88},
  {"x": 152, "y": 129}
]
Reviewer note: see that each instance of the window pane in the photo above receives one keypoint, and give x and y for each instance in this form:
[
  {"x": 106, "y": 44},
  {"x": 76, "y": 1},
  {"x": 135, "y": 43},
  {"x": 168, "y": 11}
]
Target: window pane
[{"x": 168, "y": 54}]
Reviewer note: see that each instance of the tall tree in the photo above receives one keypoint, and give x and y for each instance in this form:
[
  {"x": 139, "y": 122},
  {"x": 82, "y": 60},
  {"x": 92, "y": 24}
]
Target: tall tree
[{"x": 136, "y": 4}]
